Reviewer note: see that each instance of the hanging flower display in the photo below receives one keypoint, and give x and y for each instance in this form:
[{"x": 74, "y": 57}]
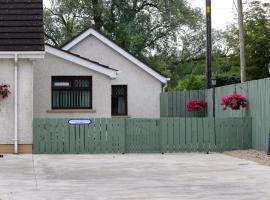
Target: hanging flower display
[
  {"x": 196, "y": 105},
  {"x": 4, "y": 90},
  {"x": 234, "y": 101}
]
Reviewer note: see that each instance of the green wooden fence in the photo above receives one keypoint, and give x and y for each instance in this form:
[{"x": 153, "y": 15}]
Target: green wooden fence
[
  {"x": 56, "y": 136},
  {"x": 257, "y": 92},
  {"x": 173, "y": 104}
]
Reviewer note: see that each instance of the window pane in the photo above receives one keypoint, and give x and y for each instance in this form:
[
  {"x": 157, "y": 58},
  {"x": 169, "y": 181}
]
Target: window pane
[
  {"x": 119, "y": 100},
  {"x": 71, "y": 93},
  {"x": 81, "y": 83},
  {"x": 61, "y": 84}
]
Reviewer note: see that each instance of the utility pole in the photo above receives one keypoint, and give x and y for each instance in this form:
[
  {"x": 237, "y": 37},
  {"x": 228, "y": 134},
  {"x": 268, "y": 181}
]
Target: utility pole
[
  {"x": 242, "y": 42},
  {"x": 208, "y": 66}
]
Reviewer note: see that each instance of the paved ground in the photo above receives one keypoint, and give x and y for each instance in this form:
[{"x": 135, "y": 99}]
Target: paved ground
[
  {"x": 118, "y": 177},
  {"x": 251, "y": 154}
]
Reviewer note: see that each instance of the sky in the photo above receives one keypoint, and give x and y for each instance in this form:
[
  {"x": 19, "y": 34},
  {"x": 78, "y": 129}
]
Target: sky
[{"x": 223, "y": 11}]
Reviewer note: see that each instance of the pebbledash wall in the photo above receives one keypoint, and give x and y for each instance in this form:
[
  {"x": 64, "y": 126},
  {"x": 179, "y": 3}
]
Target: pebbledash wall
[
  {"x": 173, "y": 104},
  {"x": 25, "y": 104},
  {"x": 143, "y": 90},
  {"x": 54, "y": 66}
]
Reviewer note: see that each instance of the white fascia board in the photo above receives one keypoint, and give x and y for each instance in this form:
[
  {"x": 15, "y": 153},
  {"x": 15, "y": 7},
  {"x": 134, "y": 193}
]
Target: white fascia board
[
  {"x": 116, "y": 48},
  {"x": 23, "y": 54},
  {"x": 80, "y": 61}
]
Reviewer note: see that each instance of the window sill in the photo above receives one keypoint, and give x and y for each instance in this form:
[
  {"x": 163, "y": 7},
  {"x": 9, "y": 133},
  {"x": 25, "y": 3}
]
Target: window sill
[
  {"x": 120, "y": 116},
  {"x": 71, "y": 111}
]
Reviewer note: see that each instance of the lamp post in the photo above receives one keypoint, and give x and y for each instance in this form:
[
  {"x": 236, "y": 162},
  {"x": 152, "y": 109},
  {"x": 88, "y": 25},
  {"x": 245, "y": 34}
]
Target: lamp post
[{"x": 214, "y": 83}]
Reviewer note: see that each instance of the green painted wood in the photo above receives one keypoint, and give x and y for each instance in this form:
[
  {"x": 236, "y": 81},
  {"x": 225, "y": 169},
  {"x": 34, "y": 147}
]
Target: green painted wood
[
  {"x": 174, "y": 103},
  {"x": 109, "y": 136},
  {"x": 91, "y": 139},
  {"x": 170, "y": 135},
  {"x": 212, "y": 134},
  {"x": 103, "y": 135},
  {"x": 206, "y": 135},
  {"x": 182, "y": 104},
  {"x": 170, "y": 104},
  {"x": 176, "y": 135},
  {"x": 182, "y": 133},
  {"x": 72, "y": 141},
  {"x": 47, "y": 148},
  {"x": 61, "y": 136},
  {"x": 219, "y": 132},
  {"x": 194, "y": 135},
  {"x": 188, "y": 134},
  {"x": 163, "y": 135},
  {"x": 77, "y": 139},
  {"x": 122, "y": 136},
  {"x": 200, "y": 134}
]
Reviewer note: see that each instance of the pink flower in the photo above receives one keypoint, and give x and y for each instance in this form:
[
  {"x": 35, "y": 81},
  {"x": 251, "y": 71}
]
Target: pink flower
[
  {"x": 196, "y": 106},
  {"x": 234, "y": 101}
]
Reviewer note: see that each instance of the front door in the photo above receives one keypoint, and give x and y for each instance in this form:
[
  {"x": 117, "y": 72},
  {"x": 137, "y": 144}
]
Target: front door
[{"x": 119, "y": 100}]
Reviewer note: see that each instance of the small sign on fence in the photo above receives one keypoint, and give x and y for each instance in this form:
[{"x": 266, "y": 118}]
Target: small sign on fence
[{"x": 80, "y": 121}]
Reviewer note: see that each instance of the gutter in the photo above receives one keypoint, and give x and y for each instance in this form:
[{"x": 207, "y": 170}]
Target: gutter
[{"x": 165, "y": 85}]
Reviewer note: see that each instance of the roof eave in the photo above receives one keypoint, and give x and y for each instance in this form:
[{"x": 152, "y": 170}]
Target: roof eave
[
  {"x": 112, "y": 73},
  {"x": 23, "y": 54}
]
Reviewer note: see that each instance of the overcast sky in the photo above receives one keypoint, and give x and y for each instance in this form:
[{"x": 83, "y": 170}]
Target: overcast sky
[{"x": 223, "y": 11}]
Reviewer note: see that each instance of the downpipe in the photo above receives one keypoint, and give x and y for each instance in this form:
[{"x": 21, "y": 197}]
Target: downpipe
[{"x": 16, "y": 104}]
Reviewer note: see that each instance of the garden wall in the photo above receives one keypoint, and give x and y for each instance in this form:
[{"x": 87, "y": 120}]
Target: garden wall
[{"x": 258, "y": 95}]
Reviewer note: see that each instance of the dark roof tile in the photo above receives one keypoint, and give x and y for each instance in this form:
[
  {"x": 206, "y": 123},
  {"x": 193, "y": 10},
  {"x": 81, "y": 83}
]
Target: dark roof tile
[{"x": 21, "y": 25}]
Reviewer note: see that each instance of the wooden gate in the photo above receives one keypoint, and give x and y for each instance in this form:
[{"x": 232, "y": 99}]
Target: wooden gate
[{"x": 57, "y": 136}]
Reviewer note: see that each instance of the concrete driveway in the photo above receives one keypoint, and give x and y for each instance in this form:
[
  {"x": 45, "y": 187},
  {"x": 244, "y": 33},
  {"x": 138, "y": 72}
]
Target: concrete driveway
[{"x": 117, "y": 177}]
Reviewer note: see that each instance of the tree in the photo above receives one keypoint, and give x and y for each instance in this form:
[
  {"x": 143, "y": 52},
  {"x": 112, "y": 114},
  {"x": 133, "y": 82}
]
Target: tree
[
  {"x": 257, "y": 29},
  {"x": 141, "y": 26}
]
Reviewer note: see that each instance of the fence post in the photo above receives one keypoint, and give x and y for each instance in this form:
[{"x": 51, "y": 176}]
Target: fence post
[
  {"x": 124, "y": 137},
  {"x": 162, "y": 134}
]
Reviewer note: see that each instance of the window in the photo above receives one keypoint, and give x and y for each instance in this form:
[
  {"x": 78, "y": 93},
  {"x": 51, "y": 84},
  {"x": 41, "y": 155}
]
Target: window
[
  {"x": 119, "y": 100},
  {"x": 72, "y": 92}
]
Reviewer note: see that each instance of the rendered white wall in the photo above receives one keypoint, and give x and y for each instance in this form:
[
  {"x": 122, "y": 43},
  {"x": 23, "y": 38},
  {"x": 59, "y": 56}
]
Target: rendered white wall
[
  {"x": 54, "y": 66},
  {"x": 143, "y": 89},
  {"x": 25, "y": 102}
]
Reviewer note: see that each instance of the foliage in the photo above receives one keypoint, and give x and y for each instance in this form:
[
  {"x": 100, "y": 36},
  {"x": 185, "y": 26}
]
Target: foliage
[
  {"x": 234, "y": 101},
  {"x": 141, "y": 26},
  {"x": 4, "y": 90},
  {"x": 168, "y": 35},
  {"x": 191, "y": 82},
  {"x": 227, "y": 79},
  {"x": 196, "y": 105},
  {"x": 257, "y": 31}
]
